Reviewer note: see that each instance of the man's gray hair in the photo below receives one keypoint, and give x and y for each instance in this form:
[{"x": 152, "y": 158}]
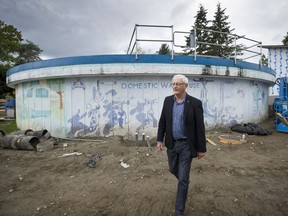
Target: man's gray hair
[{"x": 183, "y": 78}]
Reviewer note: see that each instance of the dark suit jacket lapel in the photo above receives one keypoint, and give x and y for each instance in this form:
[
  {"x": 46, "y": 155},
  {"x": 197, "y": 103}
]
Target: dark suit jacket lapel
[
  {"x": 170, "y": 107},
  {"x": 187, "y": 105}
]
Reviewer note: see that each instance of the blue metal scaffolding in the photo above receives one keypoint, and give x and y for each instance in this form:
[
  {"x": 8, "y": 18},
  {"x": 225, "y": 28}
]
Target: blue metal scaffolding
[{"x": 281, "y": 105}]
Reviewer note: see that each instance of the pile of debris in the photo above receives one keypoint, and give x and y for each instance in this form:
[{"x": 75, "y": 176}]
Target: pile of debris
[
  {"x": 28, "y": 140},
  {"x": 251, "y": 129}
]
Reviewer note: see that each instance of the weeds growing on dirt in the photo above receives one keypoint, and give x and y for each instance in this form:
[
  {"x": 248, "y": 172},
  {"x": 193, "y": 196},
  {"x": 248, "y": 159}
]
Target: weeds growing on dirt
[{"x": 8, "y": 126}]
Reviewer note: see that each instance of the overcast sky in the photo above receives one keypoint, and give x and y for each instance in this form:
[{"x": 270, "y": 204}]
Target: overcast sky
[{"x": 65, "y": 28}]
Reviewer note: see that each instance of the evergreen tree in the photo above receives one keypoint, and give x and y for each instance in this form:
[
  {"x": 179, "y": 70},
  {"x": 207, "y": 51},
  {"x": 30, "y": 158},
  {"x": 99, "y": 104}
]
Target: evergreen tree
[
  {"x": 264, "y": 60},
  {"x": 200, "y": 23},
  {"x": 224, "y": 42},
  {"x": 285, "y": 40},
  {"x": 164, "y": 50}
]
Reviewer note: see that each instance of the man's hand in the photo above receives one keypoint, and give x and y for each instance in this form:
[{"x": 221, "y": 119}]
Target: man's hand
[
  {"x": 200, "y": 155},
  {"x": 160, "y": 146}
]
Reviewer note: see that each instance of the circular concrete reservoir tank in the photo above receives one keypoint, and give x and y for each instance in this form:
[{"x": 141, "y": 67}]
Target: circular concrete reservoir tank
[{"x": 108, "y": 95}]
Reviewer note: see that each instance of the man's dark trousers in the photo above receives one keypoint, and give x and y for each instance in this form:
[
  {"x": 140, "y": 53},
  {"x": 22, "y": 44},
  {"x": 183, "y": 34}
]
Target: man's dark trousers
[{"x": 180, "y": 159}]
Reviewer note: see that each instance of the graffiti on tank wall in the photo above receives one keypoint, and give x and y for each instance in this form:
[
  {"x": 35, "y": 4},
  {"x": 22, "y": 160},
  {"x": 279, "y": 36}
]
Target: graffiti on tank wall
[
  {"x": 145, "y": 118},
  {"x": 103, "y": 106},
  {"x": 39, "y": 101},
  {"x": 203, "y": 95},
  {"x": 109, "y": 106},
  {"x": 85, "y": 121},
  {"x": 114, "y": 113},
  {"x": 36, "y": 100},
  {"x": 57, "y": 86},
  {"x": 39, "y": 96},
  {"x": 222, "y": 107},
  {"x": 78, "y": 128},
  {"x": 258, "y": 98},
  {"x": 228, "y": 94},
  {"x": 29, "y": 98}
]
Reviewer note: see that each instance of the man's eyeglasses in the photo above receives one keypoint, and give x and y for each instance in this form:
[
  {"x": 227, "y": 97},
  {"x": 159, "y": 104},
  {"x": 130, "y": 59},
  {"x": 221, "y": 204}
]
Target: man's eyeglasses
[{"x": 177, "y": 84}]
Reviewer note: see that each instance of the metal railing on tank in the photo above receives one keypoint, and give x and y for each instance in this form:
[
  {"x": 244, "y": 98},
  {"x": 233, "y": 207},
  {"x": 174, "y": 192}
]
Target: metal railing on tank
[
  {"x": 135, "y": 39},
  {"x": 241, "y": 48}
]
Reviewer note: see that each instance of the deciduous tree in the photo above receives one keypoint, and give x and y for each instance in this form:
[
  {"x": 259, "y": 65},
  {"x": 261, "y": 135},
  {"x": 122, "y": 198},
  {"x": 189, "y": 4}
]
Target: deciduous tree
[
  {"x": 28, "y": 52},
  {"x": 10, "y": 43},
  {"x": 14, "y": 52}
]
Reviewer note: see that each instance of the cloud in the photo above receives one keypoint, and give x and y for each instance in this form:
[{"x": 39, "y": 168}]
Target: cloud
[{"x": 71, "y": 28}]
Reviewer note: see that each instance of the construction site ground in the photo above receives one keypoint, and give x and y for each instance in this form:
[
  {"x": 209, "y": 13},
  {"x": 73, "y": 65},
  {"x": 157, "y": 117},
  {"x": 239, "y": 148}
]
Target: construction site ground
[{"x": 127, "y": 179}]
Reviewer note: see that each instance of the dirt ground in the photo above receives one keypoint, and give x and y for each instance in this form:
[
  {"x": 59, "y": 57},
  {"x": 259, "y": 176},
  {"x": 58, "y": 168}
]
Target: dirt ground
[{"x": 248, "y": 179}]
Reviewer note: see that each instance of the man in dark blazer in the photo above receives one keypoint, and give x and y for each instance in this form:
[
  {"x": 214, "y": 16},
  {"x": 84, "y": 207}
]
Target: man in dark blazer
[{"x": 181, "y": 126}]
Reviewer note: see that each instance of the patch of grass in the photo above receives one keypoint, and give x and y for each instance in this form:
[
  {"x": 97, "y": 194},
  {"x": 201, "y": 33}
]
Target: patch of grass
[{"x": 8, "y": 126}]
